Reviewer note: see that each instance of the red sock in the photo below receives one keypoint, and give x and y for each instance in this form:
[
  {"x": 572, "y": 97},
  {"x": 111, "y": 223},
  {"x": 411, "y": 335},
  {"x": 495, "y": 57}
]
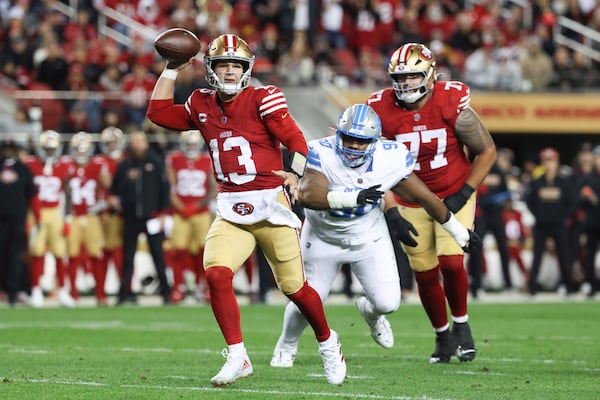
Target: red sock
[
  {"x": 432, "y": 296},
  {"x": 178, "y": 262},
  {"x": 60, "y": 272},
  {"x": 73, "y": 267},
  {"x": 456, "y": 283},
  {"x": 198, "y": 266},
  {"x": 224, "y": 303},
  {"x": 36, "y": 270},
  {"x": 99, "y": 270},
  {"x": 309, "y": 303}
]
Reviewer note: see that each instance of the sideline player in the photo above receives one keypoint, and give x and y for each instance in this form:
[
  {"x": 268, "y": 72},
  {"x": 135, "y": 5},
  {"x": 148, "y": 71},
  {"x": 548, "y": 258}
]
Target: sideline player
[{"x": 192, "y": 189}]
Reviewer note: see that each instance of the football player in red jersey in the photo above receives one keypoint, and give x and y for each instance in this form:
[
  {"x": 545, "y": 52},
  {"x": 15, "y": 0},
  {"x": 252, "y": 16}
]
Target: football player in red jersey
[
  {"x": 190, "y": 174},
  {"x": 50, "y": 174},
  {"x": 434, "y": 120},
  {"x": 86, "y": 230},
  {"x": 243, "y": 127},
  {"x": 112, "y": 144}
]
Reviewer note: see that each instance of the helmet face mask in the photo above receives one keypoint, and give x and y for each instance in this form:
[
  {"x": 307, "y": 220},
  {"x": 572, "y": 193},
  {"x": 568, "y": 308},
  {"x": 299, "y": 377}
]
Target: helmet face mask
[
  {"x": 407, "y": 65},
  {"x": 360, "y": 126},
  {"x": 228, "y": 49},
  {"x": 49, "y": 147},
  {"x": 190, "y": 143},
  {"x": 81, "y": 148},
  {"x": 112, "y": 142}
]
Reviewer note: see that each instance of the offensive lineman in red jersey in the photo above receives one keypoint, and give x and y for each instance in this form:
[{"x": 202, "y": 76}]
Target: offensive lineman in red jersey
[
  {"x": 243, "y": 126},
  {"x": 192, "y": 188},
  {"x": 50, "y": 173},
  {"x": 434, "y": 120}
]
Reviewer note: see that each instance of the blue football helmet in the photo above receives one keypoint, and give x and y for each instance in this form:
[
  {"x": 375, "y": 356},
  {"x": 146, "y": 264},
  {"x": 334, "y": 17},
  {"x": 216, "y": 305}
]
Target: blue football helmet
[{"x": 360, "y": 123}]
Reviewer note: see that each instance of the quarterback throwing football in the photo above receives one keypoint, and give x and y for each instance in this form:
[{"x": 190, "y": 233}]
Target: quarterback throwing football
[{"x": 243, "y": 127}]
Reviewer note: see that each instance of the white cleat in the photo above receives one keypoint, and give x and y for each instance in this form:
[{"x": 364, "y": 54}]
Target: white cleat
[
  {"x": 381, "y": 330},
  {"x": 333, "y": 359},
  {"x": 236, "y": 367},
  {"x": 283, "y": 355},
  {"x": 37, "y": 297},
  {"x": 65, "y": 299}
]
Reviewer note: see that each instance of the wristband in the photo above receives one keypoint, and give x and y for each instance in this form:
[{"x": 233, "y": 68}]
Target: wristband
[
  {"x": 297, "y": 164},
  {"x": 458, "y": 232},
  {"x": 169, "y": 74},
  {"x": 338, "y": 200}
]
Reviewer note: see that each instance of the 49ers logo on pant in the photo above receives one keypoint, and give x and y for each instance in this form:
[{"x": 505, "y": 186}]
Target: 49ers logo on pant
[{"x": 243, "y": 208}]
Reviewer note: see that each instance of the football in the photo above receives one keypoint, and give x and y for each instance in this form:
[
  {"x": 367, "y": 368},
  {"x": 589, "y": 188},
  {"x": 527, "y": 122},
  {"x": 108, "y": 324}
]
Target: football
[{"x": 177, "y": 45}]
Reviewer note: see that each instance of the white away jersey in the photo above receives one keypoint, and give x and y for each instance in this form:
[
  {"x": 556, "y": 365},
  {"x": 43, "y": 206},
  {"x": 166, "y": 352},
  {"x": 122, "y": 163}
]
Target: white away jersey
[{"x": 391, "y": 162}]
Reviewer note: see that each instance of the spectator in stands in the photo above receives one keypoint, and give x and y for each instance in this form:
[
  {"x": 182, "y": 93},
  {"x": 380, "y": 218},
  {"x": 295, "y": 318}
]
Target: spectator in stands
[
  {"x": 138, "y": 85},
  {"x": 481, "y": 70},
  {"x": 296, "y": 66},
  {"x": 536, "y": 66},
  {"x": 214, "y": 12},
  {"x": 586, "y": 74},
  {"x": 244, "y": 23},
  {"x": 80, "y": 28},
  {"x": 54, "y": 68},
  {"x": 332, "y": 21},
  {"x": 509, "y": 78},
  {"x": 563, "y": 75},
  {"x": 465, "y": 38}
]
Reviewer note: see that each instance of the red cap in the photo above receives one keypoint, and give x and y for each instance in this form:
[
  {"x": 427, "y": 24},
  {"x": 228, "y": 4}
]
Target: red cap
[{"x": 549, "y": 153}]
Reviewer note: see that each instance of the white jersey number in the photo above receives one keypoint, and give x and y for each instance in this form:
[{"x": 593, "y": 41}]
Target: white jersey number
[
  {"x": 244, "y": 160},
  {"x": 83, "y": 193},
  {"x": 413, "y": 141}
]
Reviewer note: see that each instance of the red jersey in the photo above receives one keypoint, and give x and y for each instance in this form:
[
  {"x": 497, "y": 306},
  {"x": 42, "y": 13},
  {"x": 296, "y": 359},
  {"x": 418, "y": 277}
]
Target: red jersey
[
  {"x": 85, "y": 185},
  {"x": 109, "y": 167},
  {"x": 243, "y": 135},
  {"x": 429, "y": 134},
  {"x": 50, "y": 183},
  {"x": 513, "y": 225},
  {"x": 191, "y": 176}
]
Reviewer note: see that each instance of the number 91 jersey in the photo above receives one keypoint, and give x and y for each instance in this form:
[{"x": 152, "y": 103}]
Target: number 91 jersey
[
  {"x": 391, "y": 162},
  {"x": 429, "y": 134}
]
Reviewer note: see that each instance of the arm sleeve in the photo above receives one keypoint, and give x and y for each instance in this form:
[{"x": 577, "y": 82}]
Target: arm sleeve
[
  {"x": 168, "y": 115},
  {"x": 288, "y": 133}
]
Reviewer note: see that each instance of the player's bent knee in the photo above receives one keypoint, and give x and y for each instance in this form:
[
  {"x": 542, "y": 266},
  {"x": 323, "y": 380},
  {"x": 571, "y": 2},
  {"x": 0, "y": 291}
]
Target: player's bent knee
[
  {"x": 219, "y": 277},
  {"x": 290, "y": 285}
]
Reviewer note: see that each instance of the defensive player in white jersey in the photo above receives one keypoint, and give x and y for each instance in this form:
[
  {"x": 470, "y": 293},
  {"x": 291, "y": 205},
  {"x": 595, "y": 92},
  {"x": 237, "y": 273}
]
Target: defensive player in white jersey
[{"x": 345, "y": 179}]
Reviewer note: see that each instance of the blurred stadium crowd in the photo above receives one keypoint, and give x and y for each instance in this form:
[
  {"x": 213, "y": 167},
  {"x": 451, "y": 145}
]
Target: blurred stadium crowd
[{"x": 488, "y": 44}]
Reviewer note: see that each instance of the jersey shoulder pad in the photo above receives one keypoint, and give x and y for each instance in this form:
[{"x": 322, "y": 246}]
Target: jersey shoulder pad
[
  {"x": 458, "y": 94},
  {"x": 270, "y": 100}
]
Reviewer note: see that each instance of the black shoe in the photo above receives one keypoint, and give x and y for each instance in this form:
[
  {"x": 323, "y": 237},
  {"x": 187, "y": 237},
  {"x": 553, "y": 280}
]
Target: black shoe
[
  {"x": 444, "y": 348},
  {"x": 130, "y": 299},
  {"x": 465, "y": 346}
]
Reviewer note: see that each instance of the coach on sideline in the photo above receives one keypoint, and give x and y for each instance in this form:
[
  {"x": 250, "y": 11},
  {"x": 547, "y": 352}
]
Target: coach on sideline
[{"x": 16, "y": 190}]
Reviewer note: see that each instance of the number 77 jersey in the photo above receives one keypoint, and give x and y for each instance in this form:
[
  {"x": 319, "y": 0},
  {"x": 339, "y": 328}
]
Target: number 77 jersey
[{"x": 429, "y": 134}]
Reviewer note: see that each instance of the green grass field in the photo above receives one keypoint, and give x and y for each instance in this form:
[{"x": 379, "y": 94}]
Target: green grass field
[{"x": 526, "y": 351}]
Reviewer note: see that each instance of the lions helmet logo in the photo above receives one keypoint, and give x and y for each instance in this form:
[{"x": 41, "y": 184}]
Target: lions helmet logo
[{"x": 243, "y": 208}]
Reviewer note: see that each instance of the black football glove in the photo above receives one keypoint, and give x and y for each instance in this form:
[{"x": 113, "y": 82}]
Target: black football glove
[
  {"x": 457, "y": 200},
  {"x": 475, "y": 242},
  {"x": 370, "y": 195},
  {"x": 401, "y": 227}
]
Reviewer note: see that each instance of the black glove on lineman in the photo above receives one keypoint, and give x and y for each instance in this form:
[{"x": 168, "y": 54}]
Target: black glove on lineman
[
  {"x": 401, "y": 227},
  {"x": 457, "y": 200},
  {"x": 475, "y": 242},
  {"x": 370, "y": 195}
]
